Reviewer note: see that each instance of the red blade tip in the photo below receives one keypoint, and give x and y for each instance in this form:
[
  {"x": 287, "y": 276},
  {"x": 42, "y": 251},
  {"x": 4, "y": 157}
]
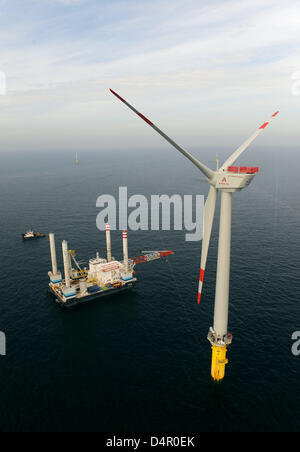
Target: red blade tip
[
  {"x": 117, "y": 95},
  {"x": 267, "y": 123}
]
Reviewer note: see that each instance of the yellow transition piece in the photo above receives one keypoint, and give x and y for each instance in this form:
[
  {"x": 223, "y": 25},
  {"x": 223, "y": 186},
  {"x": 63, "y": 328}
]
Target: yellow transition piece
[{"x": 218, "y": 362}]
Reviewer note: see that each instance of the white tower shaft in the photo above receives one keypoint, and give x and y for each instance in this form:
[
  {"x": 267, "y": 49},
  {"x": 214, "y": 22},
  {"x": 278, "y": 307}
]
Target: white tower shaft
[
  {"x": 66, "y": 264},
  {"x": 53, "y": 253},
  {"x": 108, "y": 243},
  {"x": 223, "y": 268}
]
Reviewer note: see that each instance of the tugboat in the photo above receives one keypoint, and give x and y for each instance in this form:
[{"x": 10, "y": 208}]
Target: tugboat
[{"x": 31, "y": 235}]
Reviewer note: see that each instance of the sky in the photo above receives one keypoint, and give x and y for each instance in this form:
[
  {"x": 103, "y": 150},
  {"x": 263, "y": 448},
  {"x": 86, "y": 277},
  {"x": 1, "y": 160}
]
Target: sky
[{"x": 208, "y": 73}]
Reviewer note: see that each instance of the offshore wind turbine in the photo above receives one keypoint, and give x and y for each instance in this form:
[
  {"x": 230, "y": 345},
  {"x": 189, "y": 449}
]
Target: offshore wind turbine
[{"x": 227, "y": 179}]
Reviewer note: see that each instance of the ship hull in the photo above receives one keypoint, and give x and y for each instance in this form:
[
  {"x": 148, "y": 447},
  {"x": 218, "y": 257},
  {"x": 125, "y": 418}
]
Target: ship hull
[
  {"x": 27, "y": 239},
  {"x": 72, "y": 302}
]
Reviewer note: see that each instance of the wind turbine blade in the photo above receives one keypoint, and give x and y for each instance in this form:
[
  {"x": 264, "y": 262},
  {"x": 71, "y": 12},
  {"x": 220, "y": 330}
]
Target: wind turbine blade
[
  {"x": 247, "y": 143},
  {"x": 205, "y": 170},
  {"x": 209, "y": 213}
]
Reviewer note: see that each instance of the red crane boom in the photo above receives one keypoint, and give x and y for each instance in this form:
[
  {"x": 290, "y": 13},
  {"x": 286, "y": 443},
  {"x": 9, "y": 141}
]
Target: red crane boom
[{"x": 151, "y": 256}]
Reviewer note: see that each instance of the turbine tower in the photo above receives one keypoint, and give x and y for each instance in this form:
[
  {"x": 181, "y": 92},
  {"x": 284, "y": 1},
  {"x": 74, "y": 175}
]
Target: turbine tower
[{"x": 227, "y": 179}]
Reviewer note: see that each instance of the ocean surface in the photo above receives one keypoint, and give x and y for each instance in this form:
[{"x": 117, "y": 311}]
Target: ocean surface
[{"x": 140, "y": 362}]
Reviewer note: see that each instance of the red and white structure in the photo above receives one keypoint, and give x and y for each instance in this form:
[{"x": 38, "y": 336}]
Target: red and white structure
[
  {"x": 102, "y": 278},
  {"x": 103, "y": 271},
  {"x": 125, "y": 249},
  {"x": 108, "y": 243},
  {"x": 227, "y": 179}
]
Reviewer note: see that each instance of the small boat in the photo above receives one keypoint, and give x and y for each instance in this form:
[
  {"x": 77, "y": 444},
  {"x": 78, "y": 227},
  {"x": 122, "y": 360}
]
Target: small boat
[{"x": 31, "y": 235}]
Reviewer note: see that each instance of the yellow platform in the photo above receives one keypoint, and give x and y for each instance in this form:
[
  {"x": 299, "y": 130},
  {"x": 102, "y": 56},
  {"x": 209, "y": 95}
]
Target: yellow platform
[{"x": 218, "y": 362}]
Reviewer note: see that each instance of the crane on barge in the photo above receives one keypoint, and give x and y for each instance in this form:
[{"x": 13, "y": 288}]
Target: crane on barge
[{"x": 103, "y": 277}]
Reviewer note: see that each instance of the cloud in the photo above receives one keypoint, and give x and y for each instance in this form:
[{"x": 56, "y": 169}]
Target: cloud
[
  {"x": 179, "y": 62},
  {"x": 69, "y": 2}
]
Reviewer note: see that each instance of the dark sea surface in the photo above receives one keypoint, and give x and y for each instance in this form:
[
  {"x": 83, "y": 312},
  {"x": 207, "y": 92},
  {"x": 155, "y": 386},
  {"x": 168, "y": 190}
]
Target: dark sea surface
[{"x": 140, "y": 362}]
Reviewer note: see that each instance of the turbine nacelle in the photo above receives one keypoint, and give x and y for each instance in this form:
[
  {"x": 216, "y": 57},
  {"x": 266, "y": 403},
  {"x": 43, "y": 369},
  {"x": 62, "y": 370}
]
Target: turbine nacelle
[{"x": 233, "y": 179}]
